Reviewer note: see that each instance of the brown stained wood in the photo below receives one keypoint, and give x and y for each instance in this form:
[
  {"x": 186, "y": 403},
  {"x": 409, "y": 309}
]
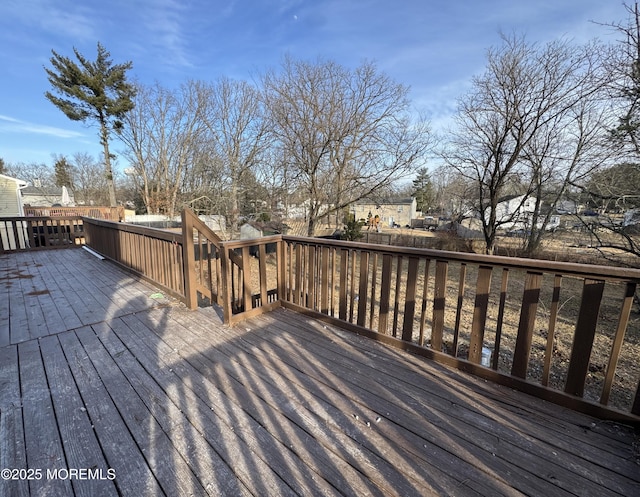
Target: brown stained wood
[
  {"x": 363, "y": 287},
  {"x": 385, "y": 290},
  {"x": 299, "y": 265},
  {"x": 528, "y": 309},
  {"x": 227, "y": 286},
  {"x": 439, "y": 300},
  {"x": 332, "y": 280},
  {"x": 553, "y": 317},
  {"x": 305, "y": 276},
  {"x": 423, "y": 308},
  {"x": 456, "y": 327},
  {"x": 342, "y": 296},
  {"x": 247, "y": 289},
  {"x": 504, "y": 283},
  {"x": 352, "y": 284},
  {"x": 397, "y": 294},
  {"x": 288, "y": 405},
  {"x": 410, "y": 299},
  {"x": 623, "y": 321},
  {"x": 324, "y": 280},
  {"x": 291, "y": 265},
  {"x": 374, "y": 281},
  {"x": 262, "y": 261},
  {"x": 483, "y": 286},
  {"x": 584, "y": 335}
]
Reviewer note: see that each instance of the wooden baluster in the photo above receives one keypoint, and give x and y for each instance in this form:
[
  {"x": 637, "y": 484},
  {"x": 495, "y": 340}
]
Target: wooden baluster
[
  {"x": 410, "y": 299},
  {"x": 480, "y": 313},
  {"x": 456, "y": 328},
  {"x": 528, "y": 309},
  {"x": 623, "y": 320},
  {"x": 385, "y": 291},
  {"x": 397, "y": 293},
  {"x": 553, "y": 317},
  {"x": 362, "y": 291},
  {"x": 584, "y": 335},
  {"x": 439, "y": 301},
  {"x": 425, "y": 295}
]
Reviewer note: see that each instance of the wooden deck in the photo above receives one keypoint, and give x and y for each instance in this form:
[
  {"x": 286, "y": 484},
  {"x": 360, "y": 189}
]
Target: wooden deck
[{"x": 107, "y": 388}]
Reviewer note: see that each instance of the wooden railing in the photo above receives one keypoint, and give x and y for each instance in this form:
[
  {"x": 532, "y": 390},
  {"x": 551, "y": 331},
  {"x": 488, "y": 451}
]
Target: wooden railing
[
  {"x": 154, "y": 254},
  {"x": 28, "y": 233},
  {"x": 108, "y": 213},
  {"x": 203, "y": 271},
  {"x": 562, "y": 332}
]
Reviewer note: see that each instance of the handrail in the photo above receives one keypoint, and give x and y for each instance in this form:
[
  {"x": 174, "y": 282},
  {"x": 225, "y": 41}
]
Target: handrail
[
  {"x": 153, "y": 254},
  {"x": 558, "y": 330},
  {"x": 202, "y": 261},
  {"x": 40, "y": 232}
]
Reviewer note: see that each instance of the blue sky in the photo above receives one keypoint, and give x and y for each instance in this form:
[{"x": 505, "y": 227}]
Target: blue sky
[{"x": 433, "y": 46}]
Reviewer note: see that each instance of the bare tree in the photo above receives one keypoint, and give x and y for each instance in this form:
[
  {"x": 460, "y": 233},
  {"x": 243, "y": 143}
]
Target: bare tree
[
  {"x": 344, "y": 134},
  {"x": 90, "y": 184},
  {"x": 237, "y": 129},
  {"x": 511, "y": 127},
  {"x": 162, "y": 134},
  {"x": 37, "y": 174}
]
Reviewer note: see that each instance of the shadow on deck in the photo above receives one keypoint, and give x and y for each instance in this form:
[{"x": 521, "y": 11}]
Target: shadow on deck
[{"x": 108, "y": 388}]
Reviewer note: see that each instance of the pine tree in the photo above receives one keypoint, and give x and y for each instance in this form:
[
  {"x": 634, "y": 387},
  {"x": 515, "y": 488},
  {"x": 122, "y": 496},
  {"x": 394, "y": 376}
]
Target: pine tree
[
  {"x": 63, "y": 172},
  {"x": 93, "y": 91},
  {"x": 423, "y": 190}
]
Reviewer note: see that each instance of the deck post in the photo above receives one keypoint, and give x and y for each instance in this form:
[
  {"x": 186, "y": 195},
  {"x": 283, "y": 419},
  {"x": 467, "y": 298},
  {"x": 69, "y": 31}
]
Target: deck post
[{"x": 189, "y": 261}]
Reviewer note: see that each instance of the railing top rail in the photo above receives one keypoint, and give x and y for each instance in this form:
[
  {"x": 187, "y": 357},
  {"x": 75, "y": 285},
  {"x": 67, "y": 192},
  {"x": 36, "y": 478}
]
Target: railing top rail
[
  {"x": 536, "y": 265},
  {"x": 198, "y": 224},
  {"x": 160, "y": 234},
  {"x": 249, "y": 242},
  {"x": 40, "y": 218}
]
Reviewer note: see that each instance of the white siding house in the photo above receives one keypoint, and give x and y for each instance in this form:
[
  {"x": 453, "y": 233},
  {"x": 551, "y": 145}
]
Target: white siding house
[
  {"x": 11, "y": 196},
  {"x": 11, "y": 206}
]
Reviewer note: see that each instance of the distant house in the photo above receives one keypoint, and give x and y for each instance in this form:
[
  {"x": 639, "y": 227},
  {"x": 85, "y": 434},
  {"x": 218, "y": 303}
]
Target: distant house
[
  {"x": 11, "y": 200},
  {"x": 35, "y": 196},
  {"x": 392, "y": 212},
  {"x": 516, "y": 212}
]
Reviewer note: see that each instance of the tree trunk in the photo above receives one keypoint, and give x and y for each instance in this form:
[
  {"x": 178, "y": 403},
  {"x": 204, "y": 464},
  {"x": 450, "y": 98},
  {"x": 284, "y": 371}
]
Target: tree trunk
[{"x": 108, "y": 172}]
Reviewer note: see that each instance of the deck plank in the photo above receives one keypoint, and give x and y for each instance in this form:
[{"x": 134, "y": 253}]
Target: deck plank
[
  {"x": 172, "y": 473},
  {"x": 81, "y": 447},
  {"x": 122, "y": 454},
  {"x": 96, "y": 373},
  {"x": 12, "y": 450},
  {"x": 42, "y": 439}
]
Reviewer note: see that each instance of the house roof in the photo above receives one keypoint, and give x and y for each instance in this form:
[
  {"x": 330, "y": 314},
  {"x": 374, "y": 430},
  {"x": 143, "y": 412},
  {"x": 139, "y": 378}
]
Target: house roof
[
  {"x": 387, "y": 201},
  {"x": 20, "y": 182},
  {"x": 53, "y": 191}
]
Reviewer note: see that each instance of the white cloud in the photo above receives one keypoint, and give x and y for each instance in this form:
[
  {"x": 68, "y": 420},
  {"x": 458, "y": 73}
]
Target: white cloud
[{"x": 11, "y": 125}]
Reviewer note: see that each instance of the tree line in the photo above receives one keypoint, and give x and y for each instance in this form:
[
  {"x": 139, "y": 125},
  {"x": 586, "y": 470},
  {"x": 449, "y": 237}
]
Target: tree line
[{"x": 548, "y": 122}]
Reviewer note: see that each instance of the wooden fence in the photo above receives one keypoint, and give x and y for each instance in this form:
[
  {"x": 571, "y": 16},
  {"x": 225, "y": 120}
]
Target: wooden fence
[
  {"x": 108, "y": 213},
  {"x": 27, "y": 233}
]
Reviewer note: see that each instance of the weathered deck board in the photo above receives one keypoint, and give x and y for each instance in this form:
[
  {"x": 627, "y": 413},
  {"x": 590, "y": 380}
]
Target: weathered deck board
[{"x": 96, "y": 374}]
